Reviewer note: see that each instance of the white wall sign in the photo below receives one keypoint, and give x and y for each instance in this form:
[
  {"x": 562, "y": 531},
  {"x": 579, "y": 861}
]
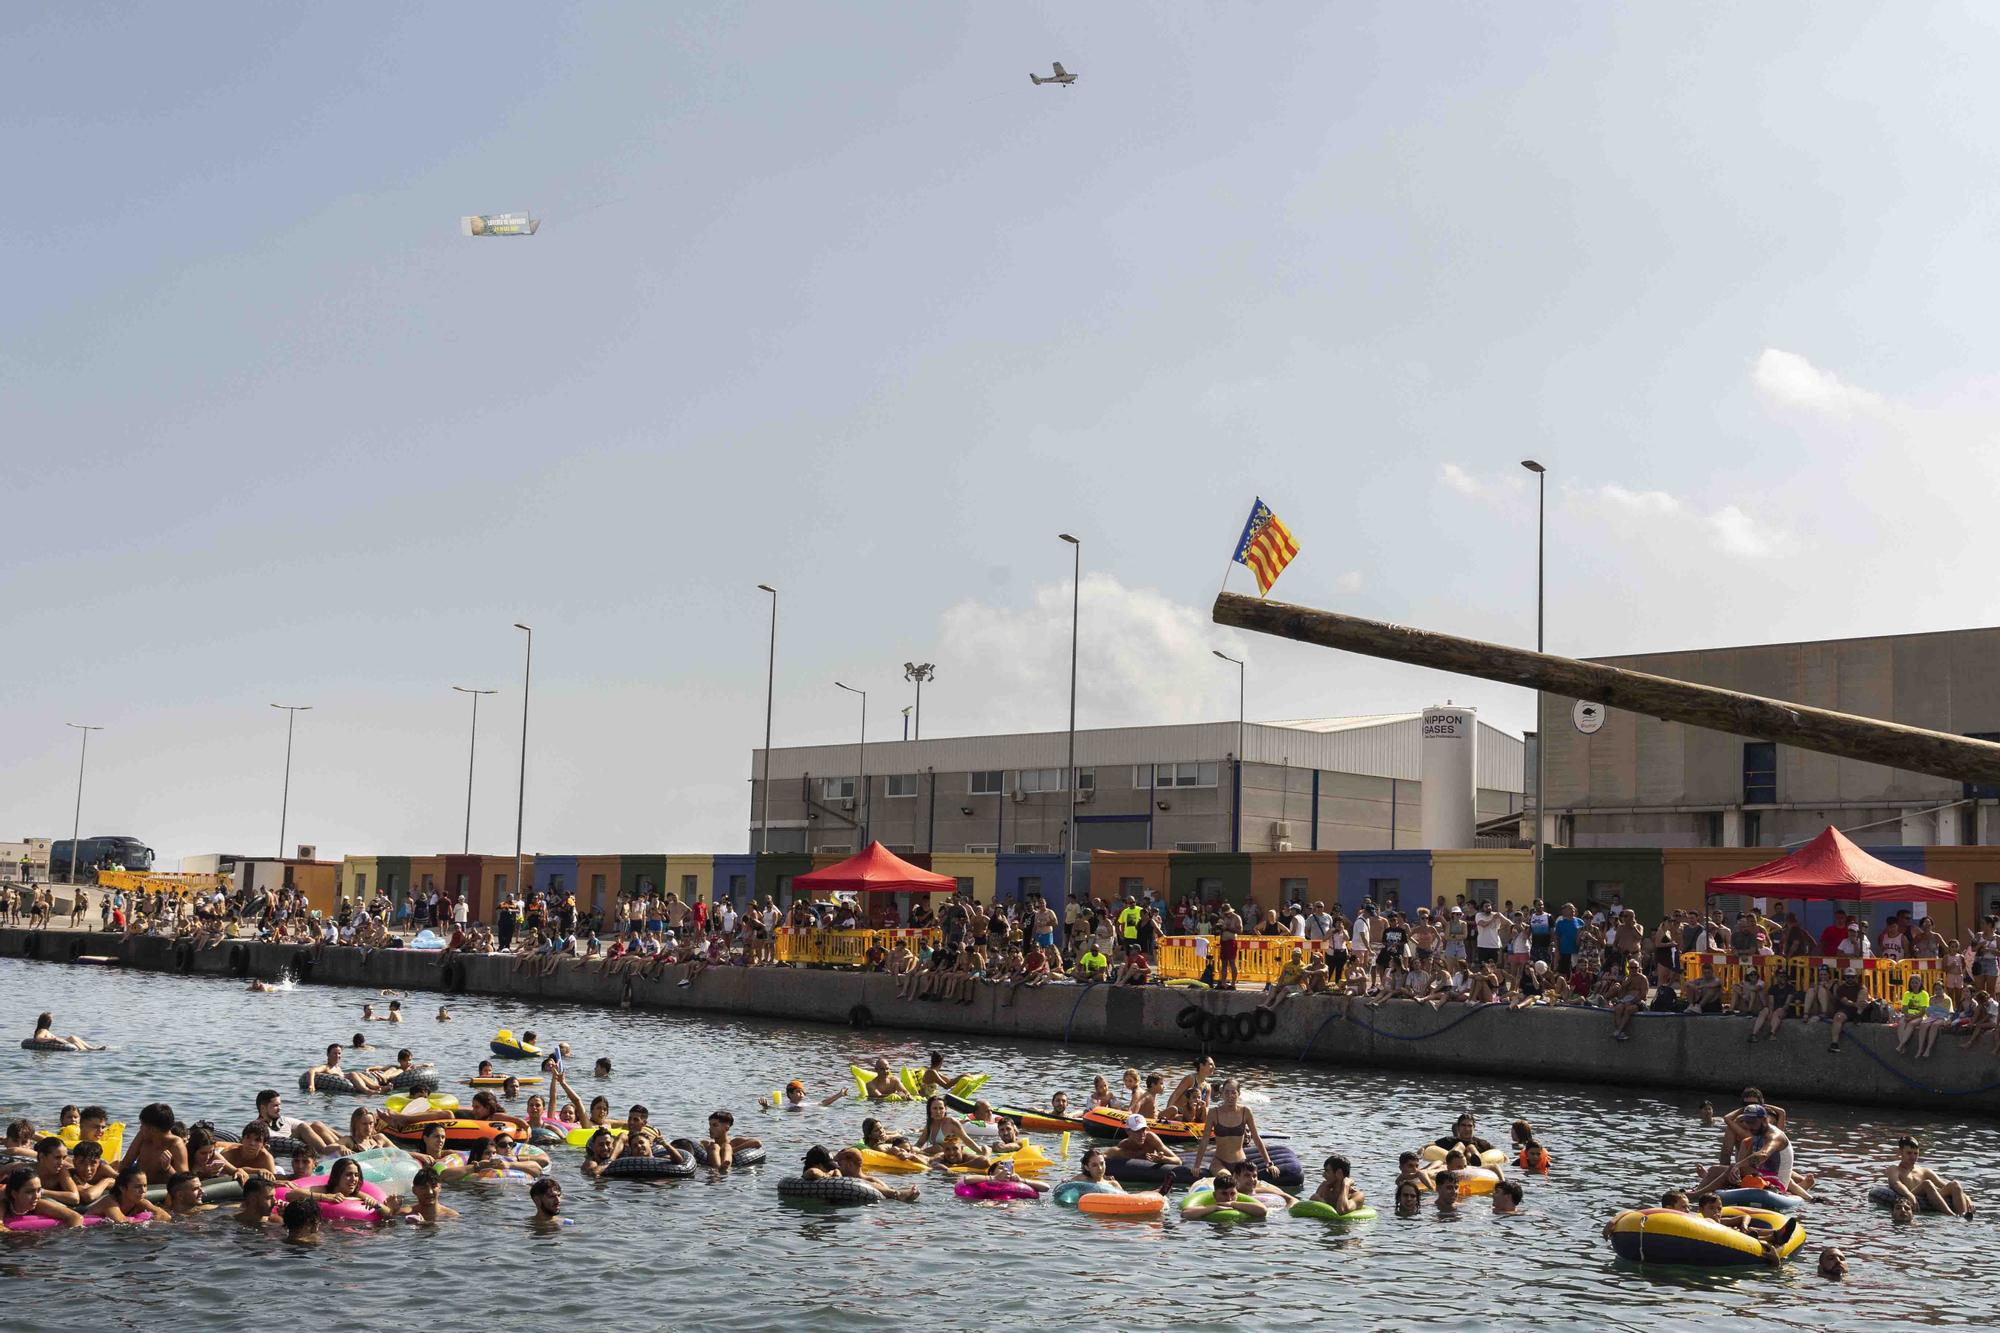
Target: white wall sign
[{"x": 1587, "y": 716}]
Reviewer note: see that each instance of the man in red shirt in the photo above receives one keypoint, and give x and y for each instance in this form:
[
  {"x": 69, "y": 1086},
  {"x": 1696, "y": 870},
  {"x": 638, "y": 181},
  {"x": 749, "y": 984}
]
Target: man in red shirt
[{"x": 1830, "y": 939}]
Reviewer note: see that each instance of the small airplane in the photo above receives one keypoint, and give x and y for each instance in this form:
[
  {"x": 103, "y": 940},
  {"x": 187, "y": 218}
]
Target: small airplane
[{"x": 1062, "y": 76}]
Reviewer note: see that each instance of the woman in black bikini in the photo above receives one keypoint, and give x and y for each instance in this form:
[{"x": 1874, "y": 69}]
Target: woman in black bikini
[{"x": 1229, "y": 1124}]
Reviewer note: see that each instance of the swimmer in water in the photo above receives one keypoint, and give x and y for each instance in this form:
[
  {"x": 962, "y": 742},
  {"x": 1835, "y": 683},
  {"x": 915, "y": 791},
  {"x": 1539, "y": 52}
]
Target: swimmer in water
[
  {"x": 1224, "y": 1194},
  {"x": 1507, "y": 1196},
  {"x": 884, "y": 1086},
  {"x": 259, "y": 986},
  {"x": 301, "y": 1219},
  {"x": 126, "y": 1200},
  {"x": 1092, "y": 1168},
  {"x": 444, "y": 1014},
  {"x": 723, "y": 1145},
  {"x": 848, "y": 1163},
  {"x": 21, "y": 1195},
  {"x": 1832, "y": 1263},
  {"x": 547, "y": 1194},
  {"x": 44, "y": 1023},
  {"x": 602, "y": 1069},
  {"x": 426, "y": 1211},
  {"x": 1924, "y": 1188},
  {"x": 1336, "y": 1190},
  {"x": 259, "y": 1192}
]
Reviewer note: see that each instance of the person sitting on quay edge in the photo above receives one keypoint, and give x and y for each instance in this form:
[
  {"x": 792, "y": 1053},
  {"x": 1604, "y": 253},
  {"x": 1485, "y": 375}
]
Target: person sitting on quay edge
[{"x": 1629, "y": 999}]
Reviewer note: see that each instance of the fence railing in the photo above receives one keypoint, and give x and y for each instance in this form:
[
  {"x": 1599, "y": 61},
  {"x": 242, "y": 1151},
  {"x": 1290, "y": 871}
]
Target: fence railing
[
  {"x": 1259, "y": 958},
  {"x": 1883, "y": 979},
  {"x": 844, "y": 948}
]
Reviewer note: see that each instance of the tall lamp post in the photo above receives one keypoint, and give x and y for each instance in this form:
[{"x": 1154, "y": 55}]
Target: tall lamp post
[
  {"x": 521, "y": 791},
  {"x": 919, "y": 672},
  {"x": 76, "y": 828},
  {"x": 770, "y": 684},
  {"x": 1069, "y": 777},
  {"x": 1236, "y": 832},
  {"x": 291, "y": 712},
  {"x": 861, "y": 760},
  {"x": 470, "y": 751},
  {"x": 1541, "y": 734}
]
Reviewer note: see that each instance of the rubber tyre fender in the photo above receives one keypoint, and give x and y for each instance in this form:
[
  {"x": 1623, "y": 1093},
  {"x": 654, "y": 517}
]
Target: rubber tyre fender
[
  {"x": 31, "y": 944},
  {"x": 1189, "y": 1018},
  {"x": 301, "y": 966},
  {"x": 239, "y": 960},
  {"x": 1216, "y": 1029},
  {"x": 184, "y": 957},
  {"x": 1267, "y": 1021},
  {"x": 1245, "y": 1024},
  {"x": 860, "y": 1017},
  {"x": 454, "y": 978}
]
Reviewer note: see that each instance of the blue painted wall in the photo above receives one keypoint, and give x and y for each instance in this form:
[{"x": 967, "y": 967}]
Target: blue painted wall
[
  {"x": 1410, "y": 867},
  {"x": 727, "y": 870}
]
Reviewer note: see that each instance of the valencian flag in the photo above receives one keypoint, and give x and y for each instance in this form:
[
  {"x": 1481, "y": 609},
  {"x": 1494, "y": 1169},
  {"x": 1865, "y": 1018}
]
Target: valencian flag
[{"x": 1266, "y": 547}]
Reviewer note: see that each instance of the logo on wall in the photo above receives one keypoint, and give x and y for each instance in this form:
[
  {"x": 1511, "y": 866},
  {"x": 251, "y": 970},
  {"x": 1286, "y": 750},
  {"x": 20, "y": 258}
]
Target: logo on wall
[{"x": 1587, "y": 717}]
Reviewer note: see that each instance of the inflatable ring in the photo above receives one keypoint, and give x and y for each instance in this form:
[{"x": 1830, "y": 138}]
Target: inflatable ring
[
  {"x": 1323, "y": 1212},
  {"x": 222, "y": 1189},
  {"x": 1883, "y": 1196},
  {"x": 1669, "y": 1236},
  {"x": 1245, "y": 1024},
  {"x": 1118, "y": 1204},
  {"x": 281, "y": 1146},
  {"x": 699, "y": 1151},
  {"x": 1067, "y": 1193},
  {"x": 239, "y": 960},
  {"x": 415, "y": 1080},
  {"x": 1267, "y": 1020},
  {"x": 1430, "y": 1152},
  {"x": 47, "y": 1044},
  {"x": 648, "y": 1168},
  {"x": 859, "y": 1017},
  {"x": 1201, "y": 1199},
  {"x": 1188, "y": 1017},
  {"x": 1769, "y": 1200},
  {"x": 838, "y": 1189},
  {"x": 546, "y": 1134},
  {"x": 994, "y": 1191}
]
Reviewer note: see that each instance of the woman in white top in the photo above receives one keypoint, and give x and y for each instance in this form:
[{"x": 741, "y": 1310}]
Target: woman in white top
[{"x": 1338, "y": 943}]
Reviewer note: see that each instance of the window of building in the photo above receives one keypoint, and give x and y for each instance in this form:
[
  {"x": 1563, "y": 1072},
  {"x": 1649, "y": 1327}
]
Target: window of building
[
  {"x": 1195, "y": 846},
  {"x": 1031, "y": 886},
  {"x": 1173, "y": 775},
  {"x": 1604, "y": 892},
  {"x": 1387, "y": 893},
  {"x": 982, "y": 847},
  {"x": 1030, "y": 848},
  {"x": 1041, "y": 779},
  {"x": 1208, "y": 888},
  {"x": 361, "y": 884},
  {"x": 987, "y": 782},
  {"x": 464, "y": 883},
  {"x": 840, "y": 848},
  {"x": 429, "y": 883},
  {"x": 1130, "y": 886},
  {"x": 596, "y": 887},
  {"x": 499, "y": 885},
  {"x": 1753, "y": 828},
  {"x": 1760, "y": 773},
  {"x": 1086, "y": 779},
  {"x": 1483, "y": 890},
  {"x": 738, "y": 886},
  {"x": 964, "y": 883},
  {"x": 690, "y": 887},
  {"x": 900, "y": 784},
  {"x": 1711, "y": 828},
  {"x": 899, "y": 848},
  {"x": 836, "y": 789},
  {"x": 557, "y": 884},
  {"x": 1293, "y": 890},
  {"x": 1987, "y": 895}
]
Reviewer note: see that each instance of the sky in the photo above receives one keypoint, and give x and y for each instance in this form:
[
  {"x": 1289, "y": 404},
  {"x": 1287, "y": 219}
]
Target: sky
[{"x": 833, "y": 298}]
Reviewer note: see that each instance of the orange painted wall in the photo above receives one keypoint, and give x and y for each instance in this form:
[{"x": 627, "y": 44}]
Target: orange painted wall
[
  {"x": 1107, "y": 868},
  {"x": 1320, "y": 871}
]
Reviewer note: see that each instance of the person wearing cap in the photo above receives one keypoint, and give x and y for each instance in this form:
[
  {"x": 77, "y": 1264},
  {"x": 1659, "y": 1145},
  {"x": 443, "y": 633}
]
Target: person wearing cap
[
  {"x": 1856, "y": 944},
  {"x": 1140, "y": 1144},
  {"x": 1923, "y": 1188},
  {"x": 1758, "y": 1159}
]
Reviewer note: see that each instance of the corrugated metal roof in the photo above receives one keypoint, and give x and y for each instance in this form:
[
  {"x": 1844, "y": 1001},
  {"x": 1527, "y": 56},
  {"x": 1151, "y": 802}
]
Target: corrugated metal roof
[{"x": 1374, "y": 745}]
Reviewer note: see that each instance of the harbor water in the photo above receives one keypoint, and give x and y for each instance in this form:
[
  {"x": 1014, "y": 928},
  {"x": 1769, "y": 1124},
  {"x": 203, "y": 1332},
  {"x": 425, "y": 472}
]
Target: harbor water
[{"x": 715, "y": 1252}]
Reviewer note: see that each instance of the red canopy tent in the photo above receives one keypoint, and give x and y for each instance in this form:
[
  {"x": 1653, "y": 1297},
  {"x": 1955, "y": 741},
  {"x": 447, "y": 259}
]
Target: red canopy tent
[
  {"x": 1832, "y": 868},
  {"x": 876, "y": 870}
]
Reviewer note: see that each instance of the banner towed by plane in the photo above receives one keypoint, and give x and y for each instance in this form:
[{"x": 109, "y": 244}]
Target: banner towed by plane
[{"x": 499, "y": 224}]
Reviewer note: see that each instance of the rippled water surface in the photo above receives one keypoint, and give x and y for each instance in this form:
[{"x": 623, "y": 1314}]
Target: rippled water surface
[{"x": 725, "y": 1253}]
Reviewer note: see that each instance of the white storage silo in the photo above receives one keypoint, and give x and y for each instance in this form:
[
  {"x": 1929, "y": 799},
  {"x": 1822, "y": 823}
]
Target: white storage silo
[{"x": 1445, "y": 766}]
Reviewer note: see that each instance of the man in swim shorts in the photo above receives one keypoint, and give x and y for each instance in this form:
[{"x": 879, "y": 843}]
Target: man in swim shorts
[
  {"x": 270, "y": 1110},
  {"x": 1923, "y": 1187},
  {"x": 1228, "y": 925}
]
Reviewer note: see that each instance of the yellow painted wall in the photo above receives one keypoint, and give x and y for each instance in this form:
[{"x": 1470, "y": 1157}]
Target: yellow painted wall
[
  {"x": 703, "y": 870},
  {"x": 432, "y": 866},
  {"x": 359, "y": 878},
  {"x": 316, "y": 879},
  {"x": 975, "y": 866},
  {"x": 1513, "y": 867}
]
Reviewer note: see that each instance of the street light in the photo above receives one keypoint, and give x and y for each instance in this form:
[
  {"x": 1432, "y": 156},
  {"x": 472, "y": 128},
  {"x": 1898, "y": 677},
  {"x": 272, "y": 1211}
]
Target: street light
[
  {"x": 919, "y": 672},
  {"x": 770, "y": 683},
  {"x": 76, "y": 829},
  {"x": 862, "y": 761},
  {"x": 470, "y": 751},
  {"x": 291, "y": 712},
  {"x": 521, "y": 792},
  {"x": 1541, "y": 734},
  {"x": 906, "y": 722},
  {"x": 1069, "y": 780},
  {"x": 1236, "y": 833}
]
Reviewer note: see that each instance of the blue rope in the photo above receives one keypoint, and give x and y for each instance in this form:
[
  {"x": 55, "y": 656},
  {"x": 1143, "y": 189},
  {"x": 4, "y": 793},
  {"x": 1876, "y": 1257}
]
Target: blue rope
[
  {"x": 1069, "y": 1026},
  {"x": 1925, "y": 1087},
  {"x": 1363, "y": 1023}
]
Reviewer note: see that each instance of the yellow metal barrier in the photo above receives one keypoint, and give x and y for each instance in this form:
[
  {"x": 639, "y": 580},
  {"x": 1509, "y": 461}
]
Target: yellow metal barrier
[
  {"x": 1259, "y": 958},
  {"x": 145, "y": 881},
  {"x": 844, "y": 948},
  {"x": 1883, "y": 979}
]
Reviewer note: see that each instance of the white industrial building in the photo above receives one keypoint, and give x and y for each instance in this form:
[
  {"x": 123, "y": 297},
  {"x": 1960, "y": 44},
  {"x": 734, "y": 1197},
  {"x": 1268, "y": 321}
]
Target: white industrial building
[{"x": 1305, "y": 784}]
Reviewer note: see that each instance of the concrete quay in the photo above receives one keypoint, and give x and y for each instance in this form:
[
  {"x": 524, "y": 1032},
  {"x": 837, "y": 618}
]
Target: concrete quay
[{"x": 1684, "y": 1054}]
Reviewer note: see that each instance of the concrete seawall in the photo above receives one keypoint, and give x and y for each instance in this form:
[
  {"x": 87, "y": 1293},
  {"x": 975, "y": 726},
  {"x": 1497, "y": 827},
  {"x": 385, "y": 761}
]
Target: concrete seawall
[{"x": 1568, "y": 1045}]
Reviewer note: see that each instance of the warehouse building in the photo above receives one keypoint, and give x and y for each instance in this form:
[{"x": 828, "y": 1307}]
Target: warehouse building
[
  {"x": 1641, "y": 782},
  {"x": 1312, "y": 784}
]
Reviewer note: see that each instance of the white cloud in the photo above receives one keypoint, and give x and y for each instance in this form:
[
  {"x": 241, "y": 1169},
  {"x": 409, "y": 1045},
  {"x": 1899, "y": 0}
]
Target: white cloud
[
  {"x": 1348, "y": 582},
  {"x": 1460, "y": 480},
  {"x": 1633, "y": 513},
  {"x": 1142, "y": 658},
  {"x": 1789, "y": 380}
]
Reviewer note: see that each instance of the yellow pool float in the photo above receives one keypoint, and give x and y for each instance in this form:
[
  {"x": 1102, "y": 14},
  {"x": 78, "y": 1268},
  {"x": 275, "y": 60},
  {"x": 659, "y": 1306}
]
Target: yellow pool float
[{"x": 112, "y": 1140}]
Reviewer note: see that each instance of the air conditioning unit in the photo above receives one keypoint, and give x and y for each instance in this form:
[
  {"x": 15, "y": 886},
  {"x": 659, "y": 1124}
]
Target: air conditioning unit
[
  {"x": 1280, "y": 830},
  {"x": 1284, "y": 844},
  {"x": 1019, "y": 796},
  {"x": 1085, "y": 795},
  {"x": 845, "y": 802}
]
